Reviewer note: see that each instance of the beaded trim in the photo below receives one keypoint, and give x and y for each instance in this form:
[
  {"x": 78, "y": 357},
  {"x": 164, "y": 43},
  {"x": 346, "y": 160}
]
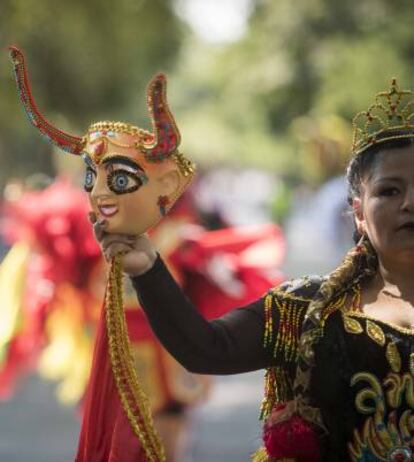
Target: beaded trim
[
  {"x": 262, "y": 456},
  {"x": 290, "y": 310},
  {"x": 66, "y": 142},
  {"x": 134, "y": 401},
  {"x": 186, "y": 167},
  {"x": 119, "y": 127},
  {"x": 166, "y": 135}
]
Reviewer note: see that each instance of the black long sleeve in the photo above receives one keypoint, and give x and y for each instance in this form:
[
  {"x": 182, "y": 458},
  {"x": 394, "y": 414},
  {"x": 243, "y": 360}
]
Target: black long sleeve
[{"x": 228, "y": 345}]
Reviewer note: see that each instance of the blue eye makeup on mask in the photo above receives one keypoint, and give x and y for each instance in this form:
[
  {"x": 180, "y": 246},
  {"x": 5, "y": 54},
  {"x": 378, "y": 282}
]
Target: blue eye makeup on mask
[
  {"x": 127, "y": 179},
  {"x": 89, "y": 182},
  {"x": 90, "y": 173}
]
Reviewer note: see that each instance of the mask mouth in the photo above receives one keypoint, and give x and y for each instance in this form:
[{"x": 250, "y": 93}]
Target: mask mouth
[{"x": 108, "y": 210}]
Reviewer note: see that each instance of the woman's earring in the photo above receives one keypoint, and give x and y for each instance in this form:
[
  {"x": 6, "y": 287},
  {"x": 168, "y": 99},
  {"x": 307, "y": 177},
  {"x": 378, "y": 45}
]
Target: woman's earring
[
  {"x": 163, "y": 202},
  {"x": 360, "y": 244}
]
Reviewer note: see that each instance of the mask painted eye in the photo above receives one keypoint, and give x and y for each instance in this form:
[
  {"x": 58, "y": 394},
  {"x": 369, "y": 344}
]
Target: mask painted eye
[
  {"x": 123, "y": 181},
  {"x": 90, "y": 176}
]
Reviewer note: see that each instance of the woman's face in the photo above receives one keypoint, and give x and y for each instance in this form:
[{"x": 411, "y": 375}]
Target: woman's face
[{"x": 385, "y": 210}]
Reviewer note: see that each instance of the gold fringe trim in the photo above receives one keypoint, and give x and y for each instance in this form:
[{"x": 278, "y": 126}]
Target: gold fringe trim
[
  {"x": 262, "y": 456},
  {"x": 134, "y": 401},
  {"x": 278, "y": 389}
]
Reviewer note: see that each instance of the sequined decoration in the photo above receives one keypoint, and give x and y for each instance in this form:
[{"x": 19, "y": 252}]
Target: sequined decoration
[
  {"x": 66, "y": 142},
  {"x": 393, "y": 356},
  {"x": 166, "y": 134},
  {"x": 268, "y": 318},
  {"x": 352, "y": 326},
  {"x": 411, "y": 363},
  {"x": 375, "y": 333},
  {"x": 287, "y": 337}
]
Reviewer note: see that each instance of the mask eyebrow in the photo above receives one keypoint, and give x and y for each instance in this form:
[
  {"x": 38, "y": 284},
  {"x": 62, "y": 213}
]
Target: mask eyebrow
[
  {"x": 122, "y": 160},
  {"x": 88, "y": 161}
]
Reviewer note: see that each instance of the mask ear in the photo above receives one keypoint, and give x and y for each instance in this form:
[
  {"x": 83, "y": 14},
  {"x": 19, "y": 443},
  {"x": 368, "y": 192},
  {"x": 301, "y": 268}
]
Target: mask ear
[
  {"x": 359, "y": 215},
  {"x": 170, "y": 183}
]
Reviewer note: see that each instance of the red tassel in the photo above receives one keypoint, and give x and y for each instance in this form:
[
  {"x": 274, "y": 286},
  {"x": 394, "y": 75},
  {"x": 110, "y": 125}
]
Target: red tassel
[{"x": 292, "y": 439}]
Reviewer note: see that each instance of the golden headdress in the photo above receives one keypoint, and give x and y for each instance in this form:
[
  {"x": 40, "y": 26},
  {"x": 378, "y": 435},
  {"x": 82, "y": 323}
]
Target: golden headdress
[{"x": 391, "y": 117}]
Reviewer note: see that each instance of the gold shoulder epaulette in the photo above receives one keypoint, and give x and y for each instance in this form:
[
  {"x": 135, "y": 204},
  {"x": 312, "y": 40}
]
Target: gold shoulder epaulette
[{"x": 284, "y": 309}]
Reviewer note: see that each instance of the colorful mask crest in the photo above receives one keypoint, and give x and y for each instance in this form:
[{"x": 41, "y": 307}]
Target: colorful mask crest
[
  {"x": 390, "y": 117},
  {"x": 147, "y": 159}
]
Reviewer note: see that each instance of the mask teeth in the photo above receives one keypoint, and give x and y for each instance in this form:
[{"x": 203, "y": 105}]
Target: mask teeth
[
  {"x": 166, "y": 135},
  {"x": 66, "y": 142}
]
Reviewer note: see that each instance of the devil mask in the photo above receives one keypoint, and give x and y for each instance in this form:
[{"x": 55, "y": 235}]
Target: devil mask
[{"x": 133, "y": 177}]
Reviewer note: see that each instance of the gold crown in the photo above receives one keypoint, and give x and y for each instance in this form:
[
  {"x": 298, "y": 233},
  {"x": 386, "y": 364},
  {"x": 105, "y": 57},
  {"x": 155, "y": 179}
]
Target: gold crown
[{"x": 389, "y": 118}]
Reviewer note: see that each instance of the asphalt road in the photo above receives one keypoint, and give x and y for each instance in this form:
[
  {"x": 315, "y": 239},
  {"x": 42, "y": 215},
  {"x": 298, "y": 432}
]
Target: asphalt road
[{"x": 33, "y": 427}]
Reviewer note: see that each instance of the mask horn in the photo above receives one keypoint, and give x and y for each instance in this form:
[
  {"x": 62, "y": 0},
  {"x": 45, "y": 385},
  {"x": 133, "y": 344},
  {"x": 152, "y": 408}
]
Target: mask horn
[
  {"x": 166, "y": 136},
  {"x": 69, "y": 143}
]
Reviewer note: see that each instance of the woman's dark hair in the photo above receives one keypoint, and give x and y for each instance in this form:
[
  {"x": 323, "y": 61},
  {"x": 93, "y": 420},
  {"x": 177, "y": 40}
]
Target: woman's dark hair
[{"x": 363, "y": 162}]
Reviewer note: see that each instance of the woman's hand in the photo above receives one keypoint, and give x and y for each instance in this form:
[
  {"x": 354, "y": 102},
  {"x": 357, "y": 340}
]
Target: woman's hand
[{"x": 138, "y": 254}]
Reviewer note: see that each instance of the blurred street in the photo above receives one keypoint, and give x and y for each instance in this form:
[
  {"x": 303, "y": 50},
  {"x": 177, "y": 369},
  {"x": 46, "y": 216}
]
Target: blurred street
[{"x": 33, "y": 426}]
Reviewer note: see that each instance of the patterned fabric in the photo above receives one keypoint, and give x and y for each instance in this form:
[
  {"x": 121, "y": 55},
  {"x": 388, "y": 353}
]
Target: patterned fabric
[
  {"x": 363, "y": 381},
  {"x": 363, "y": 384}
]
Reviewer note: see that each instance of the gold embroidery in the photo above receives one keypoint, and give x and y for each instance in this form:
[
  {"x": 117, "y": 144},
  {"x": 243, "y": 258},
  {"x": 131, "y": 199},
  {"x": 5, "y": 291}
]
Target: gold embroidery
[
  {"x": 384, "y": 434},
  {"x": 398, "y": 387},
  {"x": 352, "y": 326},
  {"x": 403, "y": 330},
  {"x": 411, "y": 363},
  {"x": 279, "y": 292},
  {"x": 393, "y": 357},
  {"x": 375, "y": 333}
]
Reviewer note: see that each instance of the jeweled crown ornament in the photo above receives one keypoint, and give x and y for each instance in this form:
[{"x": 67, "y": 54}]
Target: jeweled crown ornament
[{"x": 390, "y": 117}]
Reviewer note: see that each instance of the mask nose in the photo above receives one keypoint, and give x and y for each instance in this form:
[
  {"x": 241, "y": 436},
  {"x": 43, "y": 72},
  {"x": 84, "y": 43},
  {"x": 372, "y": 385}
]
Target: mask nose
[{"x": 100, "y": 188}]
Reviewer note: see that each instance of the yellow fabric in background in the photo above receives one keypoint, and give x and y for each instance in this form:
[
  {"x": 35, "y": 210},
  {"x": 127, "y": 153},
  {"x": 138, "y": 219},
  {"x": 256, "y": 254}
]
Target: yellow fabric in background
[{"x": 12, "y": 281}]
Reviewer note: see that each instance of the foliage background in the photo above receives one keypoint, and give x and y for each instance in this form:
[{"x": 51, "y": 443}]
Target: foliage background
[{"x": 236, "y": 102}]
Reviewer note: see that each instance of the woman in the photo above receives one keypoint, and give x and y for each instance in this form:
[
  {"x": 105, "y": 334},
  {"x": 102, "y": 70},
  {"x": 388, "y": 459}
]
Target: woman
[{"x": 339, "y": 382}]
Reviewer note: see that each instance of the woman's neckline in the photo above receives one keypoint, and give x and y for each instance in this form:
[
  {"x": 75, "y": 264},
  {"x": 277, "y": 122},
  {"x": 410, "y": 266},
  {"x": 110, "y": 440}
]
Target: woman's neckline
[
  {"x": 355, "y": 309},
  {"x": 391, "y": 325}
]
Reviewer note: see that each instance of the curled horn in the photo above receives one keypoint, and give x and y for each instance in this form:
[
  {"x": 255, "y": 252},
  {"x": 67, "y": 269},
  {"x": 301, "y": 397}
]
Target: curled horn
[
  {"x": 166, "y": 136},
  {"x": 69, "y": 143}
]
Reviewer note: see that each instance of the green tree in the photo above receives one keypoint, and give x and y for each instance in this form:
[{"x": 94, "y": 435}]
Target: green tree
[
  {"x": 88, "y": 61},
  {"x": 299, "y": 58}
]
